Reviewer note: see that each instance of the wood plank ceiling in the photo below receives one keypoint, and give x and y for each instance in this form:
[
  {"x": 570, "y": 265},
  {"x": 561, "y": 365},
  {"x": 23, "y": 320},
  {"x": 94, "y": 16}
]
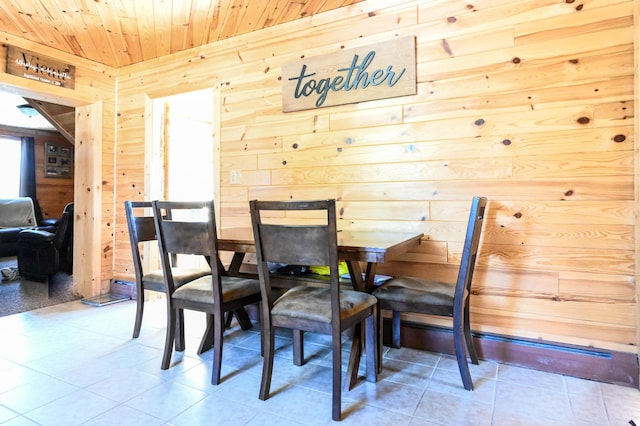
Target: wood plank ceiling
[{"x": 123, "y": 32}]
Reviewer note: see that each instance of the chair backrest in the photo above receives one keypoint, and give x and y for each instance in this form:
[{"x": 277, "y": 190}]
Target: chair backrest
[
  {"x": 189, "y": 229},
  {"x": 141, "y": 229},
  {"x": 37, "y": 210},
  {"x": 64, "y": 231},
  {"x": 63, "y": 239},
  {"x": 469, "y": 253},
  {"x": 282, "y": 240}
]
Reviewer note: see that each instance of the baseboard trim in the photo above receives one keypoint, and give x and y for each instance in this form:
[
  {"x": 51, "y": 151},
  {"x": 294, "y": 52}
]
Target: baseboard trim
[{"x": 601, "y": 365}]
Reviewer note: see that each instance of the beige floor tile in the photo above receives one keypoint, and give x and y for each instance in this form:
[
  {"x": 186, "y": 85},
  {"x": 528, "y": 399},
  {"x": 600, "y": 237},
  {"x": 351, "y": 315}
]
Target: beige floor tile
[
  {"x": 73, "y": 409},
  {"x": 75, "y": 355},
  {"x": 216, "y": 410},
  {"x": 448, "y": 409},
  {"x": 534, "y": 401}
]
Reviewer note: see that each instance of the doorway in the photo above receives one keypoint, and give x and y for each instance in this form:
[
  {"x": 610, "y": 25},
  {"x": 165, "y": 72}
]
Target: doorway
[
  {"x": 185, "y": 146},
  {"x": 24, "y": 128}
]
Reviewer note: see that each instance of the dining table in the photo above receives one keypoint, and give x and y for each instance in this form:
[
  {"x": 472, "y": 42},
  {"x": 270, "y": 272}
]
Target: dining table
[{"x": 355, "y": 247}]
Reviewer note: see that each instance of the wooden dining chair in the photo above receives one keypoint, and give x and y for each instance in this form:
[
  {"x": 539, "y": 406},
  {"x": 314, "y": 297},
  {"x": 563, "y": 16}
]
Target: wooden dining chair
[
  {"x": 411, "y": 294},
  {"x": 326, "y": 309},
  {"x": 141, "y": 230},
  {"x": 192, "y": 231}
]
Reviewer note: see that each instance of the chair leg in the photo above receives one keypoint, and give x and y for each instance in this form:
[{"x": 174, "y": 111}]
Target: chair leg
[
  {"x": 336, "y": 411},
  {"x": 461, "y": 357},
  {"x": 169, "y": 338},
  {"x": 218, "y": 334},
  {"x": 395, "y": 329},
  {"x": 469, "y": 339},
  {"x": 267, "y": 362},
  {"x": 137, "y": 325},
  {"x": 179, "y": 336},
  {"x": 371, "y": 337},
  {"x": 380, "y": 342},
  {"x": 298, "y": 347},
  {"x": 262, "y": 336}
]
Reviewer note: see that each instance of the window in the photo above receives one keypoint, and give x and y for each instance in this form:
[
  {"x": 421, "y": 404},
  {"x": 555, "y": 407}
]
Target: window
[{"x": 10, "y": 170}]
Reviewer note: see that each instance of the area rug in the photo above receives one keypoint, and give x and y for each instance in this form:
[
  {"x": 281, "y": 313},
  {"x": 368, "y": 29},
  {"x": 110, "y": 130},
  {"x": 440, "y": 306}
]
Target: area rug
[{"x": 21, "y": 294}]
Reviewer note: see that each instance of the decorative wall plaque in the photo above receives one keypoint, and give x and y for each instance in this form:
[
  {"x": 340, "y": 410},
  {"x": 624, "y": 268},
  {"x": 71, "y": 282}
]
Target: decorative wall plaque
[
  {"x": 33, "y": 66},
  {"x": 58, "y": 161},
  {"x": 378, "y": 71}
]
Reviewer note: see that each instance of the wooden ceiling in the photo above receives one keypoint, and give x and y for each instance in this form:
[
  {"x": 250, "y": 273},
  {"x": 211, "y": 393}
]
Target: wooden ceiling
[{"x": 123, "y": 32}]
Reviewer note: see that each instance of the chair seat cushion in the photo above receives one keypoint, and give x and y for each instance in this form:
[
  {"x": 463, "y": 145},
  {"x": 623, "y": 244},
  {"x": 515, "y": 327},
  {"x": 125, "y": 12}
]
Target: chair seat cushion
[
  {"x": 418, "y": 293},
  {"x": 201, "y": 290},
  {"x": 154, "y": 280},
  {"x": 314, "y": 303}
]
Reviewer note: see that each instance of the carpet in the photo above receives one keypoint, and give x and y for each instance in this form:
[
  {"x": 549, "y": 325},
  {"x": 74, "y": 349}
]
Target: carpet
[{"x": 22, "y": 295}]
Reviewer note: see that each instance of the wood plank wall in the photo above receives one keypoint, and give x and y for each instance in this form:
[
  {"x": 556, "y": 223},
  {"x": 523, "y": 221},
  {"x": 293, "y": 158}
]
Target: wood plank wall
[
  {"x": 528, "y": 103},
  {"x": 53, "y": 193}
]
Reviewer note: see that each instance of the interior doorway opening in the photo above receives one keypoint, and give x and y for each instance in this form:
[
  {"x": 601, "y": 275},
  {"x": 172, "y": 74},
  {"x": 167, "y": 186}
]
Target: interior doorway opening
[{"x": 184, "y": 145}]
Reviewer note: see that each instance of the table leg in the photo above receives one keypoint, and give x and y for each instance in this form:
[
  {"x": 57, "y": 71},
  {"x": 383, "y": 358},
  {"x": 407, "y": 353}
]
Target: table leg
[
  {"x": 243, "y": 318},
  {"x": 236, "y": 263},
  {"x": 234, "y": 270},
  {"x": 206, "y": 342},
  {"x": 359, "y": 284},
  {"x": 354, "y": 358}
]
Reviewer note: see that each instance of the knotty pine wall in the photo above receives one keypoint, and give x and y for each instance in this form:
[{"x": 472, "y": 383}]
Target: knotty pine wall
[
  {"x": 530, "y": 104},
  {"x": 53, "y": 193}
]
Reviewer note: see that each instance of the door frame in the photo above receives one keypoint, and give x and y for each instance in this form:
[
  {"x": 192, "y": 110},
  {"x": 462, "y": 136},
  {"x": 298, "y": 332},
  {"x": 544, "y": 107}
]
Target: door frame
[{"x": 88, "y": 203}]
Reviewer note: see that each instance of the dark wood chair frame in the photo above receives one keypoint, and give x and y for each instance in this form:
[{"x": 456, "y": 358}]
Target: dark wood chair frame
[
  {"x": 141, "y": 229},
  {"x": 307, "y": 245},
  {"x": 459, "y": 309},
  {"x": 225, "y": 294}
]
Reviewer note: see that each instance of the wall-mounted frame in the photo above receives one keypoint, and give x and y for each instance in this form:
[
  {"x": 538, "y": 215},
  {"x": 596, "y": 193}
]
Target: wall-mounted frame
[{"x": 58, "y": 161}]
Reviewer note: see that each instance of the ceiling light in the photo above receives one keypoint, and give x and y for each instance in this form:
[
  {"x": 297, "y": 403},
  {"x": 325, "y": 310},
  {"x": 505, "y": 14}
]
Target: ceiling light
[{"x": 27, "y": 110}]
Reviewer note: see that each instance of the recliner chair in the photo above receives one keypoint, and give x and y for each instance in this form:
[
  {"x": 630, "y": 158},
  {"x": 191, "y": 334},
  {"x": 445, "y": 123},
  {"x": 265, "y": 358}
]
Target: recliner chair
[{"x": 42, "y": 253}]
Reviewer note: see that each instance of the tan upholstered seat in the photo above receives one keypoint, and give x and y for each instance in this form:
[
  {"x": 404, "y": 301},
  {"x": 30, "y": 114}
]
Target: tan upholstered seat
[
  {"x": 329, "y": 310},
  {"x": 142, "y": 229},
  {"x": 418, "y": 293},
  {"x": 410, "y": 294},
  {"x": 215, "y": 294}
]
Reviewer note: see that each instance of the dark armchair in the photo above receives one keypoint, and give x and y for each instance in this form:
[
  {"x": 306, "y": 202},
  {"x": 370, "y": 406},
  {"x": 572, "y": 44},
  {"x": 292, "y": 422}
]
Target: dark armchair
[
  {"x": 42, "y": 253},
  {"x": 16, "y": 215}
]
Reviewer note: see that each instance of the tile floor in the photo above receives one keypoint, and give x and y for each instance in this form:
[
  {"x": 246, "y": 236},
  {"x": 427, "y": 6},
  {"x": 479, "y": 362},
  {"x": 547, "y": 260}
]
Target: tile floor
[{"x": 75, "y": 364}]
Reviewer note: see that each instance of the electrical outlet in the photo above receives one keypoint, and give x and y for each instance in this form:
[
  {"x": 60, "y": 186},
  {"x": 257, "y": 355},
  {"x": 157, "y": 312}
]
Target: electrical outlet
[{"x": 236, "y": 177}]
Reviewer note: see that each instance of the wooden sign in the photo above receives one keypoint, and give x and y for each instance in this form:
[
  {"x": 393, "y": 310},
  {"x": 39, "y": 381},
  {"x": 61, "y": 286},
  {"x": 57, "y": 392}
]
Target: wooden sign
[
  {"x": 378, "y": 71},
  {"x": 24, "y": 63}
]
